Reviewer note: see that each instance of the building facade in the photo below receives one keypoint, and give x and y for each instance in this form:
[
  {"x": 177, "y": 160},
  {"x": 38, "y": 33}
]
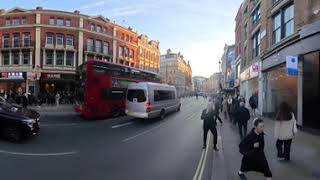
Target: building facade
[
  {"x": 227, "y": 68},
  {"x": 199, "y": 83},
  {"x": 275, "y": 31},
  {"x": 174, "y": 70},
  {"x": 212, "y": 84},
  {"x": 40, "y": 49},
  {"x": 149, "y": 54}
]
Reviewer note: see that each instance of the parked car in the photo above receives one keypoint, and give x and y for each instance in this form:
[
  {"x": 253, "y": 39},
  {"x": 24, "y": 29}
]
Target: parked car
[
  {"x": 16, "y": 122},
  {"x": 150, "y": 100}
]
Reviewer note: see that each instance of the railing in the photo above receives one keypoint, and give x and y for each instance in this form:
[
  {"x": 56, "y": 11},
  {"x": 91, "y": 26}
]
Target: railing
[{"x": 17, "y": 44}]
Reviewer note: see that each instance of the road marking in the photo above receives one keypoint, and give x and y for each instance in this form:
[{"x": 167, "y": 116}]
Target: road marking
[
  {"x": 121, "y": 125},
  {"x": 58, "y": 125},
  {"x": 202, "y": 163},
  {"x": 190, "y": 117},
  {"x": 142, "y": 133},
  {"x": 38, "y": 154}
]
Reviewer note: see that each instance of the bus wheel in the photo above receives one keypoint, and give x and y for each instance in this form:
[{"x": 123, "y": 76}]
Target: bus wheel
[
  {"x": 116, "y": 112},
  {"x": 162, "y": 114}
]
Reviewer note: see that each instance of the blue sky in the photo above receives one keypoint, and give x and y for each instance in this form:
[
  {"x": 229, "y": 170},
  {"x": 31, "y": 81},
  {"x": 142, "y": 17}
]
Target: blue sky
[{"x": 197, "y": 28}]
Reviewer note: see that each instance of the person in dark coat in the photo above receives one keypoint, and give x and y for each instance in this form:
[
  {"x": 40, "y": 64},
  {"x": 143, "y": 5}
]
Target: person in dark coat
[
  {"x": 209, "y": 123},
  {"x": 253, "y": 101},
  {"x": 242, "y": 116},
  {"x": 252, "y": 149},
  {"x": 24, "y": 100},
  {"x": 217, "y": 106},
  {"x": 234, "y": 108}
]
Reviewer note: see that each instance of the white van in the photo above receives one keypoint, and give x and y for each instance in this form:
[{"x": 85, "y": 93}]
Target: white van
[{"x": 150, "y": 100}]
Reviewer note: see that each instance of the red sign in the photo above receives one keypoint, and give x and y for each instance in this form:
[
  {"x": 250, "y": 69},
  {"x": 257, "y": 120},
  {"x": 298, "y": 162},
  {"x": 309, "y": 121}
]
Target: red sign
[{"x": 4, "y": 75}]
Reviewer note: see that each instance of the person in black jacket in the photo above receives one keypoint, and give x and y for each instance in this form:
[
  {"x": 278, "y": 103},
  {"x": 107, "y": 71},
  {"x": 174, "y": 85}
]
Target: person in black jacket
[
  {"x": 252, "y": 149},
  {"x": 24, "y": 100},
  {"x": 242, "y": 116},
  {"x": 217, "y": 107},
  {"x": 209, "y": 123}
]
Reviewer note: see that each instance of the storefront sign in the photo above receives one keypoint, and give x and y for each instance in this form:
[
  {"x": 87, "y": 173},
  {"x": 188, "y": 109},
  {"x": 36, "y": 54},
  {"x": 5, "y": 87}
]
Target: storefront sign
[
  {"x": 292, "y": 65},
  {"x": 4, "y": 75},
  {"x": 251, "y": 72},
  {"x": 52, "y": 76},
  {"x": 15, "y": 75}
]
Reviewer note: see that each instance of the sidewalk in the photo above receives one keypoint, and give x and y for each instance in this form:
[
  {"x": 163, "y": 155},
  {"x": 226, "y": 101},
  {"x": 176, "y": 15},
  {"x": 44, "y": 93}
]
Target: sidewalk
[
  {"x": 64, "y": 109},
  {"x": 305, "y": 155}
]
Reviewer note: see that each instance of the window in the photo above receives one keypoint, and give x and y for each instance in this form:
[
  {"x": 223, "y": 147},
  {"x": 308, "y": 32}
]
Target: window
[
  {"x": 92, "y": 27},
  {"x": 162, "y": 95},
  {"x": 26, "y": 58},
  {"x": 6, "y": 58},
  {"x": 120, "y": 51},
  {"x": 26, "y": 39},
  {"x": 90, "y": 45},
  {"x": 256, "y": 44},
  {"x": 98, "y": 29},
  {"x": 24, "y": 20},
  {"x": 277, "y": 28},
  {"x": 288, "y": 21},
  {"x": 6, "y": 40},
  {"x": 60, "y": 58},
  {"x": 60, "y": 22},
  {"x": 49, "y": 39},
  {"x": 49, "y": 60},
  {"x": 256, "y": 15},
  {"x": 105, "y": 48},
  {"x": 131, "y": 53},
  {"x": 137, "y": 95},
  {"x": 70, "y": 58},
  {"x": 16, "y": 58},
  {"x": 245, "y": 10},
  {"x": 68, "y": 23},
  {"x": 283, "y": 24},
  {"x": 245, "y": 31},
  {"x": 59, "y": 39},
  {"x": 8, "y": 22},
  {"x": 126, "y": 52},
  {"x": 127, "y": 37},
  {"x": 16, "y": 21},
  {"x": 98, "y": 46},
  {"x": 16, "y": 40},
  {"x": 69, "y": 40},
  {"x": 114, "y": 95},
  {"x": 104, "y": 30},
  {"x": 51, "y": 21}
]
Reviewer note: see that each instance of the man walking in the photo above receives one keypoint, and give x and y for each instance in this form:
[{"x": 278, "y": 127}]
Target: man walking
[
  {"x": 253, "y": 101},
  {"x": 209, "y": 123},
  {"x": 217, "y": 106},
  {"x": 252, "y": 149},
  {"x": 242, "y": 116}
]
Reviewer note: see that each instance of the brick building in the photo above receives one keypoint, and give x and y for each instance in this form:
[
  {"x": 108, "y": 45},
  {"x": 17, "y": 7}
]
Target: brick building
[
  {"x": 273, "y": 32},
  {"x": 40, "y": 49}
]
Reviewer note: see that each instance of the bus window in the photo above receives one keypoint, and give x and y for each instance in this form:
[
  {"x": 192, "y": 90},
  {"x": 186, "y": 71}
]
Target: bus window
[
  {"x": 137, "y": 94},
  {"x": 114, "y": 95}
]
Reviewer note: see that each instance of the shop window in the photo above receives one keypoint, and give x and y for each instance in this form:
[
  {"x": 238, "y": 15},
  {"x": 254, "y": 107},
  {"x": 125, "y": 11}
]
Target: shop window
[
  {"x": 60, "y": 22},
  {"x": 26, "y": 58},
  {"x": 49, "y": 57},
  {"x": 105, "y": 48},
  {"x": 6, "y": 58},
  {"x": 59, "y": 58},
  {"x": 69, "y": 40},
  {"x": 49, "y": 39},
  {"x": 52, "y": 21},
  {"x": 59, "y": 39},
  {"x": 90, "y": 45},
  {"x": 16, "y": 21},
  {"x": 68, "y": 23},
  {"x": 16, "y": 58},
  {"x": 70, "y": 58},
  {"x": 6, "y": 40},
  {"x": 98, "y": 46},
  {"x": 16, "y": 40},
  {"x": 26, "y": 39}
]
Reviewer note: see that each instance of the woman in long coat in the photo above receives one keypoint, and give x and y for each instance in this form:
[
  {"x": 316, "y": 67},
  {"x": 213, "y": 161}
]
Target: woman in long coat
[{"x": 252, "y": 148}]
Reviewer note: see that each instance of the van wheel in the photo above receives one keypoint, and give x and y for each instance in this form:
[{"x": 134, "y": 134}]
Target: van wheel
[
  {"x": 116, "y": 112},
  {"x": 162, "y": 114},
  {"x": 12, "y": 133}
]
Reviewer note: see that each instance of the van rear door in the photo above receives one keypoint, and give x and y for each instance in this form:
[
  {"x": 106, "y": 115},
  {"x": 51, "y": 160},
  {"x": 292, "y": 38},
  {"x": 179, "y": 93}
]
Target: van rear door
[{"x": 136, "y": 100}]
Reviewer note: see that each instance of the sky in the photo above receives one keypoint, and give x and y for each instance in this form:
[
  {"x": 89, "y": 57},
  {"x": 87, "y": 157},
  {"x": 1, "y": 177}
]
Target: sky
[{"x": 198, "y": 29}]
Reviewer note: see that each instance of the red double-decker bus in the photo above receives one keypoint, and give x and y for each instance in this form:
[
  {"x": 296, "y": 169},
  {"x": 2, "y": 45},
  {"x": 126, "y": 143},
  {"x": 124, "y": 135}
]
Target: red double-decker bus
[{"x": 101, "y": 87}]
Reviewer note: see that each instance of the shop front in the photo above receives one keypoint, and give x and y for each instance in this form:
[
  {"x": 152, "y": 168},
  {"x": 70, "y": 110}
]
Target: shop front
[
  {"x": 14, "y": 82},
  {"x": 54, "y": 82}
]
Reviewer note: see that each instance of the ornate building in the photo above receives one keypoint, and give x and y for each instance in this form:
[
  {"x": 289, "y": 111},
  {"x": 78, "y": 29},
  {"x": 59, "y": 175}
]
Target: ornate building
[{"x": 149, "y": 54}]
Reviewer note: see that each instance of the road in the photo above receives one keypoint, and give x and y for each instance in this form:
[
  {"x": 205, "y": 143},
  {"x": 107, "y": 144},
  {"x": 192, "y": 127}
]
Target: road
[{"x": 121, "y": 148}]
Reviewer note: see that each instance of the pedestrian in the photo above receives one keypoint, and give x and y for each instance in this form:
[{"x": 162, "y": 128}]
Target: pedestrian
[
  {"x": 242, "y": 116},
  {"x": 234, "y": 108},
  {"x": 252, "y": 149},
  {"x": 229, "y": 107},
  {"x": 225, "y": 107},
  {"x": 217, "y": 106},
  {"x": 57, "y": 97},
  {"x": 24, "y": 100},
  {"x": 253, "y": 102},
  {"x": 209, "y": 123},
  {"x": 285, "y": 129}
]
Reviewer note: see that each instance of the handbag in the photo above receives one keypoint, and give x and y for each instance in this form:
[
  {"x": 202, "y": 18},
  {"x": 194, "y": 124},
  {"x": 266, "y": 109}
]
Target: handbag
[{"x": 295, "y": 128}]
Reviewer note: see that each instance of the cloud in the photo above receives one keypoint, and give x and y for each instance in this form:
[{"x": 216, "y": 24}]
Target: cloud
[{"x": 92, "y": 5}]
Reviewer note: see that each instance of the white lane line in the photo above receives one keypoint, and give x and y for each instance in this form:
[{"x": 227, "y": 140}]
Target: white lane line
[
  {"x": 199, "y": 166},
  {"x": 142, "y": 133},
  {"x": 190, "y": 117},
  {"x": 205, "y": 160},
  {"x": 121, "y": 125},
  {"x": 57, "y": 125},
  {"x": 38, "y": 154}
]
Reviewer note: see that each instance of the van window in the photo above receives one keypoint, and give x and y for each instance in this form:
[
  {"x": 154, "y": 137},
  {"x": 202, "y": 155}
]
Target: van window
[
  {"x": 160, "y": 95},
  {"x": 139, "y": 94}
]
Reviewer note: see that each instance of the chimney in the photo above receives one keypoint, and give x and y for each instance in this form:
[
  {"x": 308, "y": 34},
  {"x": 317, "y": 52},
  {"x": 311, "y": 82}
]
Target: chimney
[
  {"x": 77, "y": 12},
  {"x": 39, "y": 8}
]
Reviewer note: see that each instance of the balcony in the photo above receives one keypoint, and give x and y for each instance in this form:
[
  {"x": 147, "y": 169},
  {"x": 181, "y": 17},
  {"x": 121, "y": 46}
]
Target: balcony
[{"x": 22, "y": 44}]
